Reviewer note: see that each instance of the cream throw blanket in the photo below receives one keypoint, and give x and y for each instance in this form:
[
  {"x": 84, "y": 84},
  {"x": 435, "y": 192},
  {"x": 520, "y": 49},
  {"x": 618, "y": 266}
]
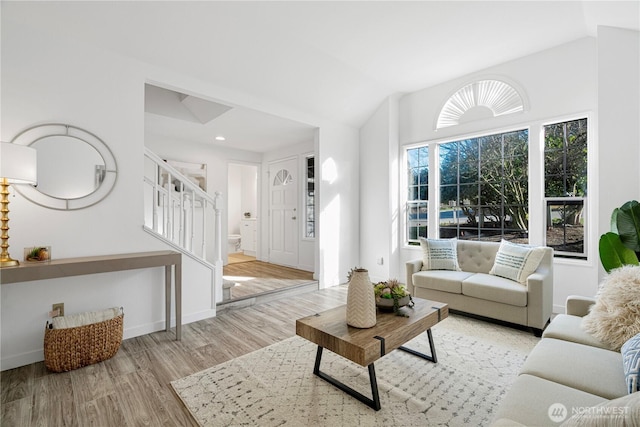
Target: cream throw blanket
[{"x": 81, "y": 319}]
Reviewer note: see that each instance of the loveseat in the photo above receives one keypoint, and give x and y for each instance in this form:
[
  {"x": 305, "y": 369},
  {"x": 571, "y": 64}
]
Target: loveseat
[
  {"x": 570, "y": 378},
  {"x": 472, "y": 289}
]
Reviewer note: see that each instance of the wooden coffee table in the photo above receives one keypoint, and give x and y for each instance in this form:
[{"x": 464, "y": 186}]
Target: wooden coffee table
[{"x": 329, "y": 330}]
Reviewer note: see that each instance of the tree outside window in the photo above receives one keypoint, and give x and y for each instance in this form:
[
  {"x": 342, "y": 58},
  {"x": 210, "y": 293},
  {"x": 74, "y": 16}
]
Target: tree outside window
[{"x": 484, "y": 187}]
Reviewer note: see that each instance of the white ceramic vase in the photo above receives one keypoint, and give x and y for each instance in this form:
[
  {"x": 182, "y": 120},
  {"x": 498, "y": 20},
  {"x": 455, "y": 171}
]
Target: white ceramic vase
[{"x": 361, "y": 302}]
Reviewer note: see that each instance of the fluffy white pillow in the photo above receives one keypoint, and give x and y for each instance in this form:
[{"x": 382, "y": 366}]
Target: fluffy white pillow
[
  {"x": 516, "y": 262},
  {"x": 615, "y": 317},
  {"x": 439, "y": 254}
]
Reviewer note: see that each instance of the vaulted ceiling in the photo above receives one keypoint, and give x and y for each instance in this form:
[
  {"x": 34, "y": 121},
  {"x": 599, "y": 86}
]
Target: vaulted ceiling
[{"x": 336, "y": 60}]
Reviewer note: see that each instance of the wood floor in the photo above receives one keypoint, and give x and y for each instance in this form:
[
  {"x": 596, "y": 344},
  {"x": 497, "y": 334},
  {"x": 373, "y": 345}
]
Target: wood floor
[
  {"x": 239, "y": 257},
  {"x": 132, "y": 388},
  {"x": 257, "y": 277}
]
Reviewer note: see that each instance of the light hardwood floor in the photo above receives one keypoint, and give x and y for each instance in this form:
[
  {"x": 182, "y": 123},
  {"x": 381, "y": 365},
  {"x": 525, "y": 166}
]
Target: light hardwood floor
[
  {"x": 133, "y": 388},
  {"x": 257, "y": 277}
]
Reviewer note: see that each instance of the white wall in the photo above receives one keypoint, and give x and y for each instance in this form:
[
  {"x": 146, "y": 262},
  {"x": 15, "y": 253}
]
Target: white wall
[
  {"x": 619, "y": 128},
  {"x": 379, "y": 176},
  {"x": 338, "y": 200},
  {"x": 52, "y": 78}
]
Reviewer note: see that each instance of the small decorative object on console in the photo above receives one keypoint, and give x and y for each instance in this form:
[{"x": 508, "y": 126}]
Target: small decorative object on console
[
  {"x": 391, "y": 294},
  {"x": 37, "y": 254}
]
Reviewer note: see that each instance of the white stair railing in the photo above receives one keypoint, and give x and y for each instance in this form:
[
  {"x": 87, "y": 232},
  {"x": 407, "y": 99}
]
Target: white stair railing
[{"x": 179, "y": 211}]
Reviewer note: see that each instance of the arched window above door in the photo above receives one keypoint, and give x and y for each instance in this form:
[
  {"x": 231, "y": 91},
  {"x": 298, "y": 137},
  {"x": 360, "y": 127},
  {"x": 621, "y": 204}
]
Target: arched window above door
[{"x": 283, "y": 177}]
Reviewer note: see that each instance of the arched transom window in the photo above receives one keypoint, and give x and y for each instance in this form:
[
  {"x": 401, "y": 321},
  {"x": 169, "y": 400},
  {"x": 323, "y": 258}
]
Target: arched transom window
[{"x": 479, "y": 100}]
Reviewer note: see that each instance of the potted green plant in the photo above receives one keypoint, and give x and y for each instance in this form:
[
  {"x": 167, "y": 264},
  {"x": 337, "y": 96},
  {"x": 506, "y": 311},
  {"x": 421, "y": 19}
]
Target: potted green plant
[
  {"x": 391, "y": 294},
  {"x": 38, "y": 253},
  {"x": 621, "y": 246}
]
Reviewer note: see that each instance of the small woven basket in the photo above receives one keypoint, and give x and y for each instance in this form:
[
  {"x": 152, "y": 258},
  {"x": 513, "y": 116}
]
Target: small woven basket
[{"x": 72, "y": 348}]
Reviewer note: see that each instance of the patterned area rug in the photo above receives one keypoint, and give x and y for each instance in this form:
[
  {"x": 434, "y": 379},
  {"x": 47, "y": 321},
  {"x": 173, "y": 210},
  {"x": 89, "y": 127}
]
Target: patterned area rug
[{"x": 275, "y": 386}]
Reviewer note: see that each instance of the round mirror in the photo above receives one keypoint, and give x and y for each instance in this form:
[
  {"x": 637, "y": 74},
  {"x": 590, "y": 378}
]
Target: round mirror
[
  {"x": 68, "y": 168},
  {"x": 76, "y": 169}
]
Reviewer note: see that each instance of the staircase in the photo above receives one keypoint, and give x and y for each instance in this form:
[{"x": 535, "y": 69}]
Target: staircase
[{"x": 181, "y": 214}]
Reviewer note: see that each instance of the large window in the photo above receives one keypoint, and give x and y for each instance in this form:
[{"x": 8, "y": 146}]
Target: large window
[
  {"x": 418, "y": 195},
  {"x": 481, "y": 192},
  {"x": 565, "y": 186},
  {"x": 484, "y": 187}
]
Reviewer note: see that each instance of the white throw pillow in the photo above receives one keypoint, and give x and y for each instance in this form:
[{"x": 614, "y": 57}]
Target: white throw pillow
[
  {"x": 516, "y": 262},
  {"x": 439, "y": 254}
]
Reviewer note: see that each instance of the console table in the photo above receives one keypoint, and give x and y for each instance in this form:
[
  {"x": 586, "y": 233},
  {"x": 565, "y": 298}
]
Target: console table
[{"x": 67, "y": 267}]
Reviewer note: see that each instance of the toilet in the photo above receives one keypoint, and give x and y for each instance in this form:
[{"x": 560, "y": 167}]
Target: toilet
[{"x": 233, "y": 244}]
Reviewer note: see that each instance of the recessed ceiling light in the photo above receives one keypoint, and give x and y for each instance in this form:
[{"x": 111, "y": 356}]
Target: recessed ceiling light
[{"x": 220, "y": 138}]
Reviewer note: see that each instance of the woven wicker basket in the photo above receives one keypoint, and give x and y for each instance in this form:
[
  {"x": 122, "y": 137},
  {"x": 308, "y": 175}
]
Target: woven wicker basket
[{"x": 72, "y": 348}]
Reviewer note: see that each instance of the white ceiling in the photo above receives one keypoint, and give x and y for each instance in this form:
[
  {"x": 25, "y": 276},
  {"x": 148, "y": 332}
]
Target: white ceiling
[{"x": 335, "y": 60}]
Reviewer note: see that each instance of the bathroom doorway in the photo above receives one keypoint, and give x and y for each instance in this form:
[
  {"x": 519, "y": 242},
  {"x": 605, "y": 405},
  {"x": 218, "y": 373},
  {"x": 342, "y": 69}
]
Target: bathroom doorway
[{"x": 242, "y": 212}]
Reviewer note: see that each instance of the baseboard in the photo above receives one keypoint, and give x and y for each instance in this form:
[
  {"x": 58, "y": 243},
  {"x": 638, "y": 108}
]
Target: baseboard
[
  {"x": 558, "y": 309},
  {"x": 21, "y": 359},
  {"x": 159, "y": 325},
  {"x": 34, "y": 356}
]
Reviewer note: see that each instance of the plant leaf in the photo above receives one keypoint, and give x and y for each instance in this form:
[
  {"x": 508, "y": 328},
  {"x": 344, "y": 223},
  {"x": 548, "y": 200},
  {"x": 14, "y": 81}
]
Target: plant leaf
[
  {"x": 628, "y": 223},
  {"x": 614, "y": 254},
  {"x": 614, "y": 220}
]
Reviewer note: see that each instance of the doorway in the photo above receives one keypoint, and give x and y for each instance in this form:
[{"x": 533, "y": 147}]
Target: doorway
[{"x": 242, "y": 212}]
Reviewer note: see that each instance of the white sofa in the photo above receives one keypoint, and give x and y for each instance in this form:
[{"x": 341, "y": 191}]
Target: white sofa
[
  {"x": 566, "y": 375},
  {"x": 473, "y": 290}
]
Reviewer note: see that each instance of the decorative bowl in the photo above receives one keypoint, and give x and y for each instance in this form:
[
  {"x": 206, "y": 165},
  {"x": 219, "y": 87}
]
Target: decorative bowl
[{"x": 387, "y": 303}]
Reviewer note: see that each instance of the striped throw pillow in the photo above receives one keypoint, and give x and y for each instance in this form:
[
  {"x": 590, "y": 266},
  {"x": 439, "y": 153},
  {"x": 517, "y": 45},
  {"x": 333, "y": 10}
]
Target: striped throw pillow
[
  {"x": 631, "y": 363},
  {"x": 439, "y": 254},
  {"x": 516, "y": 262}
]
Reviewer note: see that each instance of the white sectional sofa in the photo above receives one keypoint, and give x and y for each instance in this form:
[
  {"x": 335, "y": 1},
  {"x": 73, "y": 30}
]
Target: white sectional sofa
[
  {"x": 473, "y": 290},
  {"x": 570, "y": 374}
]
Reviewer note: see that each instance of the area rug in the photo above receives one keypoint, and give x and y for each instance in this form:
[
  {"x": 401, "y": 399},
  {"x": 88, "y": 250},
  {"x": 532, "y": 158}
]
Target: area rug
[{"x": 275, "y": 386}]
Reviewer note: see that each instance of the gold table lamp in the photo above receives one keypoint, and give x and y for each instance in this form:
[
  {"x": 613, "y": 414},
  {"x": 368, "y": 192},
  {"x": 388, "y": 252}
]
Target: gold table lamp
[{"x": 18, "y": 165}]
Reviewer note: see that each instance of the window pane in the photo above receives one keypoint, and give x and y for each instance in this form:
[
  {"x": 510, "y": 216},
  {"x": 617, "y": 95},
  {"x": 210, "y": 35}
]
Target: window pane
[
  {"x": 566, "y": 159},
  {"x": 424, "y": 192},
  {"x": 448, "y": 194},
  {"x": 565, "y": 176},
  {"x": 565, "y": 227},
  {"x": 413, "y": 178},
  {"x": 416, "y": 221},
  {"x": 469, "y": 172},
  {"x": 413, "y": 193},
  {"x": 423, "y": 174},
  {"x": 310, "y": 213}
]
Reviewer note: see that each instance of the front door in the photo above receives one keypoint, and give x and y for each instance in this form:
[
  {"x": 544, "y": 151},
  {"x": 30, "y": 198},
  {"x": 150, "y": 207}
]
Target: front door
[{"x": 283, "y": 218}]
